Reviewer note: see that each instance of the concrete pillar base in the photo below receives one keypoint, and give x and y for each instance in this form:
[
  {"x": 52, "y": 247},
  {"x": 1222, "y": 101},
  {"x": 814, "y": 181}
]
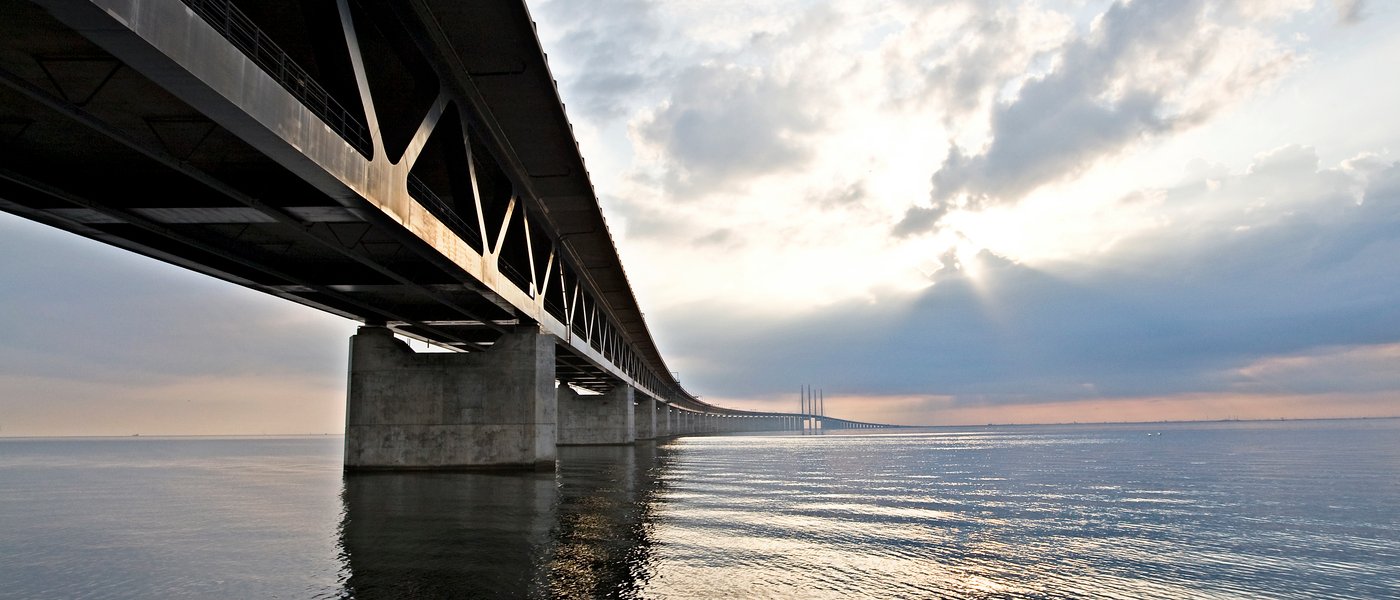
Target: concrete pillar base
[
  {"x": 663, "y": 422},
  {"x": 646, "y": 418},
  {"x": 484, "y": 410},
  {"x": 605, "y": 419}
]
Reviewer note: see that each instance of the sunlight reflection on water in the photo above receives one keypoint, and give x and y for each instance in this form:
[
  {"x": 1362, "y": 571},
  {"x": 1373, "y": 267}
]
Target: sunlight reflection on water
[{"x": 1285, "y": 510}]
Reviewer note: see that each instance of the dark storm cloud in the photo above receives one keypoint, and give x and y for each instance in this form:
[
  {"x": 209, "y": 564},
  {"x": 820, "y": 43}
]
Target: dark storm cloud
[{"x": 1179, "y": 311}]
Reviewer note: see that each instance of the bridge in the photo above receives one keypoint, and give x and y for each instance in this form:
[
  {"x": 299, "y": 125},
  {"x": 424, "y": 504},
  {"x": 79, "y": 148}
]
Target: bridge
[{"x": 408, "y": 165}]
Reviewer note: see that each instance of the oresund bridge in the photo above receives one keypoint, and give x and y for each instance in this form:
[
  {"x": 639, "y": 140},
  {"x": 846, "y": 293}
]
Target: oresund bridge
[{"x": 406, "y": 164}]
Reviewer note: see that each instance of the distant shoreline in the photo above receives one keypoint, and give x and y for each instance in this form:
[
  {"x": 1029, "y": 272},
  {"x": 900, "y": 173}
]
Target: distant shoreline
[
  {"x": 1163, "y": 422},
  {"x": 154, "y": 436},
  {"x": 165, "y": 436}
]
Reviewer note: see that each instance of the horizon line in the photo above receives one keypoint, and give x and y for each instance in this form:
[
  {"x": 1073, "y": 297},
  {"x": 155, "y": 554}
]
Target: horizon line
[{"x": 342, "y": 434}]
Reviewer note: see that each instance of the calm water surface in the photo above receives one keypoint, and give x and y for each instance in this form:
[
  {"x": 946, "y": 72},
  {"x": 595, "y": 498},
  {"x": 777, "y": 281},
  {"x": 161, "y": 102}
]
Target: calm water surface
[{"x": 1222, "y": 510}]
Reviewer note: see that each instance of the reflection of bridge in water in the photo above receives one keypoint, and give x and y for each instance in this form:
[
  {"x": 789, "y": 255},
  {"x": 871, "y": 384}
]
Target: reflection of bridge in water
[
  {"x": 405, "y": 164},
  {"x": 584, "y": 534}
]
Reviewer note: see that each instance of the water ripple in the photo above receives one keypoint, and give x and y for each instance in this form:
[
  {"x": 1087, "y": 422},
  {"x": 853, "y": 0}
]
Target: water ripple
[{"x": 1229, "y": 510}]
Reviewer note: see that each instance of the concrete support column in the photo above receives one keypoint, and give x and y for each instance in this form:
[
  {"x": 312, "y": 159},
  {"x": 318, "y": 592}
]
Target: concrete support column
[
  {"x": 646, "y": 418},
  {"x": 597, "y": 419},
  {"x": 492, "y": 409}
]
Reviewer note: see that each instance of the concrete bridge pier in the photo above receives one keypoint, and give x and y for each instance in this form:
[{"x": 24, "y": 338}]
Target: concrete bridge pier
[
  {"x": 663, "y": 422},
  {"x": 646, "y": 418},
  {"x": 597, "y": 419},
  {"x": 492, "y": 409}
]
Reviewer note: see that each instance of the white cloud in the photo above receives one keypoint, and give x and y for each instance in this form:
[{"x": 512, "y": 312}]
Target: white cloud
[
  {"x": 611, "y": 52},
  {"x": 726, "y": 123},
  {"x": 1284, "y": 259},
  {"x": 1144, "y": 69},
  {"x": 755, "y": 161}
]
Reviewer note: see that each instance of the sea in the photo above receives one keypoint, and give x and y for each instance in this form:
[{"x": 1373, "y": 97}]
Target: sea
[{"x": 1285, "y": 509}]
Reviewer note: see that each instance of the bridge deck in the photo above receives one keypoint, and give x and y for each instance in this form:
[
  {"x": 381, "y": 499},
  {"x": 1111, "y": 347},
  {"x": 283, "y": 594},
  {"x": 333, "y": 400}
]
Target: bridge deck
[
  {"x": 109, "y": 136},
  {"x": 407, "y": 164}
]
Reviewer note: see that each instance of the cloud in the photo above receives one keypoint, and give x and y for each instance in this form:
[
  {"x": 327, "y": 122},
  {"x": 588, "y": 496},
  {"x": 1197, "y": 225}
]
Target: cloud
[
  {"x": 610, "y": 52},
  {"x": 1361, "y": 369},
  {"x": 1145, "y": 69},
  {"x": 1350, "y": 12},
  {"x": 720, "y": 237},
  {"x": 955, "y": 57},
  {"x": 1265, "y": 10},
  {"x": 840, "y": 196},
  {"x": 1295, "y": 260},
  {"x": 747, "y": 95},
  {"x": 724, "y": 123}
]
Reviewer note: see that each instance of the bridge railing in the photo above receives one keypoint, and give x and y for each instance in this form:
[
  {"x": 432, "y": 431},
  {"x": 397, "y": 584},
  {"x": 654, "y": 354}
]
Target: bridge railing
[
  {"x": 421, "y": 192},
  {"x": 240, "y": 30},
  {"x": 569, "y": 303}
]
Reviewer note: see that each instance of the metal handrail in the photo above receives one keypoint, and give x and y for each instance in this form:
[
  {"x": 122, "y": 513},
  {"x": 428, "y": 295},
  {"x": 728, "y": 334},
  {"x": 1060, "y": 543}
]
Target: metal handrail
[
  {"x": 435, "y": 204},
  {"x": 240, "y": 31}
]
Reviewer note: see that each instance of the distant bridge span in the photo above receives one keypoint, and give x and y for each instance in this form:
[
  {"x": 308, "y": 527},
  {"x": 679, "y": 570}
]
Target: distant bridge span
[{"x": 405, "y": 164}]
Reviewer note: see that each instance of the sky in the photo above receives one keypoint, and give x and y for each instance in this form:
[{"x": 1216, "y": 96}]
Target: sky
[{"x": 937, "y": 212}]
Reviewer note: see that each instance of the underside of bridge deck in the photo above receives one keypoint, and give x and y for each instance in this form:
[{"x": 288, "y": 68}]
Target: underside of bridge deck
[
  {"x": 408, "y": 165},
  {"x": 90, "y": 144}
]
